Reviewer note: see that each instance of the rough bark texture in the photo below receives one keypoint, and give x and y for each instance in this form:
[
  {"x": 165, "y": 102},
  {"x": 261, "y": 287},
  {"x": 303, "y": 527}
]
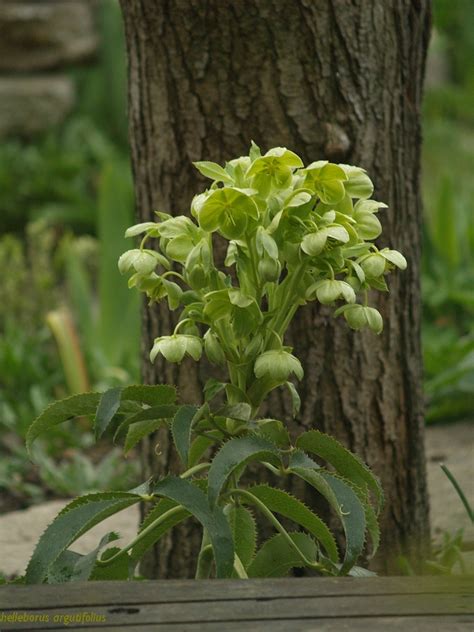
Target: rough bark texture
[{"x": 335, "y": 79}]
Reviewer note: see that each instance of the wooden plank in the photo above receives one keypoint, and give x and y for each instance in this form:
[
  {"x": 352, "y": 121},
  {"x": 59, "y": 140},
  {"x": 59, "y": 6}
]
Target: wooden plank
[
  {"x": 263, "y": 610},
  {"x": 175, "y": 591},
  {"x": 363, "y": 624}
]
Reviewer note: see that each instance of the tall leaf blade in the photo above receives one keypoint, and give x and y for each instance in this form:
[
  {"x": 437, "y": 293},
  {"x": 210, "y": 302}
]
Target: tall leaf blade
[
  {"x": 345, "y": 503},
  {"x": 59, "y": 412},
  {"x": 153, "y": 395},
  {"x": 108, "y": 406},
  {"x": 345, "y": 462},
  {"x": 212, "y": 519},
  {"x": 234, "y": 453},
  {"x": 244, "y": 531},
  {"x": 276, "y": 557},
  {"x": 73, "y": 521},
  {"x": 287, "y": 505},
  {"x": 181, "y": 430}
]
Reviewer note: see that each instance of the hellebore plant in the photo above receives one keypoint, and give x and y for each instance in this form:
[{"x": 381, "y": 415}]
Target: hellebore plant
[{"x": 294, "y": 235}]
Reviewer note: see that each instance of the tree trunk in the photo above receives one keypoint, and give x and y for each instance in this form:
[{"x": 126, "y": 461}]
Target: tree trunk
[{"x": 333, "y": 79}]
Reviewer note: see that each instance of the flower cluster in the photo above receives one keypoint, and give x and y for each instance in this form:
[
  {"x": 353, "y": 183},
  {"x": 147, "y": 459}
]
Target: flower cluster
[{"x": 295, "y": 234}]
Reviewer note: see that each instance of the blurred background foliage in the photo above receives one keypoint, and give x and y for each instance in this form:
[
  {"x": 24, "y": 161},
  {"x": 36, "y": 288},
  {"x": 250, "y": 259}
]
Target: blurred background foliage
[{"x": 65, "y": 203}]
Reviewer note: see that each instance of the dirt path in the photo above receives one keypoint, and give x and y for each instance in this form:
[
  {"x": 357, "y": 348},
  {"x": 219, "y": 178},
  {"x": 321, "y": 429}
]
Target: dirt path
[{"x": 451, "y": 444}]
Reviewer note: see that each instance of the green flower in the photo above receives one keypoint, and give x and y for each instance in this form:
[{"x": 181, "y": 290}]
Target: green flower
[
  {"x": 278, "y": 365},
  {"x": 360, "y": 316},
  {"x": 174, "y": 348},
  {"x": 328, "y": 291}
]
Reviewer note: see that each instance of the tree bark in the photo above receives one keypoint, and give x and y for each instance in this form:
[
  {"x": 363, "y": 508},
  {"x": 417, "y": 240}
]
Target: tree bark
[{"x": 333, "y": 79}]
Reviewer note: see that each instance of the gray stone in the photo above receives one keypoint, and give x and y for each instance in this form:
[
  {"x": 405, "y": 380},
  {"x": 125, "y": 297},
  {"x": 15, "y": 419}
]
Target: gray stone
[
  {"x": 46, "y": 34},
  {"x": 29, "y": 105}
]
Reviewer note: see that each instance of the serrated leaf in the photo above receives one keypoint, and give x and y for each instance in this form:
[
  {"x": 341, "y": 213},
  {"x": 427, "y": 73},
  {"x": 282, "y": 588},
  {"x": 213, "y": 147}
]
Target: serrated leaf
[
  {"x": 287, "y": 505},
  {"x": 234, "y": 453},
  {"x": 212, "y": 519},
  {"x": 137, "y": 431},
  {"x": 276, "y": 557},
  {"x": 346, "y": 504},
  {"x": 152, "y": 395},
  {"x": 244, "y": 531},
  {"x": 108, "y": 405},
  {"x": 166, "y": 411},
  {"x": 71, "y": 566},
  {"x": 198, "y": 448},
  {"x": 181, "y": 429},
  {"x": 156, "y": 533},
  {"x": 345, "y": 462},
  {"x": 120, "y": 569},
  {"x": 275, "y": 431},
  {"x": 59, "y": 412},
  {"x": 73, "y": 521}
]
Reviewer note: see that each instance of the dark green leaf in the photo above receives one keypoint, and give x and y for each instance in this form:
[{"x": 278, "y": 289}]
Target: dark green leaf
[
  {"x": 345, "y": 503},
  {"x": 75, "y": 519},
  {"x": 108, "y": 406},
  {"x": 120, "y": 569},
  {"x": 276, "y": 557},
  {"x": 59, "y": 412},
  {"x": 137, "y": 431},
  {"x": 153, "y": 395},
  {"x": 164, "y": 505},
  {"x": 244, "y": 531},
  {"x": 287, "y": 505},
  {"x": 212, "y": 519},
  {"x": 181, "y": 429},
  {"x": 234, "y": 453},
  {"x": 147, "y": 414},
  {"x": 346, "y": 463}
]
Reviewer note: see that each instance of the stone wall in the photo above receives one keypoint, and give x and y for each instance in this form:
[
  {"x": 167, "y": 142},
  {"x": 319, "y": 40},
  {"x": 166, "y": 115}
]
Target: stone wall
[{"x": 38, "y": 41}]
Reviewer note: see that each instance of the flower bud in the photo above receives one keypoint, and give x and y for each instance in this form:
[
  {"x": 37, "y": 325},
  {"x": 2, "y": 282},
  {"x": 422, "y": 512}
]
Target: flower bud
[
  {"x": 373, "y": 265},
  {"x": 269, "y": 270},
  {"x": 213, "y": 349}
]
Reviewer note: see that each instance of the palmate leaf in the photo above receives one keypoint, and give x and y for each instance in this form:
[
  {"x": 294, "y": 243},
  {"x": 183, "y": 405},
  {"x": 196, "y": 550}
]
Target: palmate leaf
[
  {"x": 276, "y": 557},
  {"x": 75, "y": 519},
  {"x": 346, "y": 463},
  {"x": 287, "y": 505},
  {"x": 343, "y": 500},
  {"x": 212, "y": 519},
  {"x": 244, "y": 531},
  {"x": 234, "y": 453}
]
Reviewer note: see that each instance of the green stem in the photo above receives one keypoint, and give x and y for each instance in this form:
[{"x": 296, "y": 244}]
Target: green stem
[
  {"x": 204, "y": 562},
  {"x": 279, "y": 527},
  {"x": 173, "y": 273},
  {"x": 193, "y": 470},
  {"x": 239, "y": 568},
  {"x": 288, "y": 302},
  {"x": 181, "y": 322},
  {"x": 142, "y": 535}
]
